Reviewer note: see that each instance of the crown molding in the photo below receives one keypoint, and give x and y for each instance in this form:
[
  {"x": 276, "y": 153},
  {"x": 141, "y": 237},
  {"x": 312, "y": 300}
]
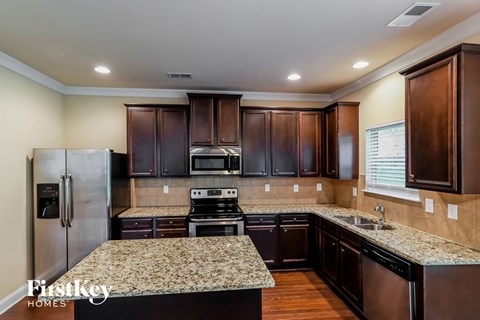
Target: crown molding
[
  {"x": 22, "y": 69},
  {"x": 442, "y": 41}
]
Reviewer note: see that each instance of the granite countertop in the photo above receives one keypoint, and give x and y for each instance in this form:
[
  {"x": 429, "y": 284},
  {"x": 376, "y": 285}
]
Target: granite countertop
[
  {"x": 412, "y": 244},
  {"x": 170, "y": 266},
  {"x": 152, "y": 212}
]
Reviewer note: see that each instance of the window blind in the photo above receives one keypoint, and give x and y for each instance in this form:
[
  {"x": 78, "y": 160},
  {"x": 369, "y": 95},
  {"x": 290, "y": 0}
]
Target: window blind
[{"x": 385, "y": 172}]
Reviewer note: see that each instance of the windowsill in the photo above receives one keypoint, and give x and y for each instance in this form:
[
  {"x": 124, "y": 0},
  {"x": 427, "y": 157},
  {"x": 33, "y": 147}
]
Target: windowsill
[{"x": 397, "y": 195}]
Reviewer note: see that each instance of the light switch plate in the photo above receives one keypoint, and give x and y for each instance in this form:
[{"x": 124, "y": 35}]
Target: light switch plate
[
  {"x": 165, "y": 189},
  {"x": 354, "y": 191},
  {"x": 429, "y": 205},
  {"x": 267, "y": 187},
  {"x": 295, "y": 187},
  {"x": 319, "y": 187},
  {"x": 452, "y": 211}
]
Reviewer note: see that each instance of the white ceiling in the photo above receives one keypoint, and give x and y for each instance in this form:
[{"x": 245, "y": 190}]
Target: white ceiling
[{"x": 248, "y": 45}]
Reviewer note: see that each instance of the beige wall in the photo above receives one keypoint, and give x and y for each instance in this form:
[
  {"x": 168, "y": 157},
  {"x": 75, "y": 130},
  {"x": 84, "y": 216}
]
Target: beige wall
[{"x": 31, "y": 116}]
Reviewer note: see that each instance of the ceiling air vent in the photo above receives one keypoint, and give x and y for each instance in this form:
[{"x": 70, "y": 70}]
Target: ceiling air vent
[
  {"x": 412, "y": 14},
  {"x": 179, "y": 75}
]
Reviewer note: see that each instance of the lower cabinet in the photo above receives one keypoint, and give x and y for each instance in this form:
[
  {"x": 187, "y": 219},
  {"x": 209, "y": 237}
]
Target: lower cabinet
[
  {"x": 282, "y": 240},
  {"x": 341, "y": 262},
  {"x": 143, "y": 228}
]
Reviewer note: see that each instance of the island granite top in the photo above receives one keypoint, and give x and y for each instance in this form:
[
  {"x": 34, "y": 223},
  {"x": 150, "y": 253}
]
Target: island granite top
[{"x": 170, "y": 266}]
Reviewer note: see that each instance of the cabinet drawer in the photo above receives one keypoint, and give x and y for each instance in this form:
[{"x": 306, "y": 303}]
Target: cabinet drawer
[
  {"x": 350, "y": 238},
  {"x": 330, "y": 227},
  {"x": 170, "y": 222},
  {"x": 171, "y": 233},
  {"x": 136, "y": 234},
  {"x": 294, "y": 219},
  {"x": 262, "y": 219},
  {"x": 137, "y": 224}
]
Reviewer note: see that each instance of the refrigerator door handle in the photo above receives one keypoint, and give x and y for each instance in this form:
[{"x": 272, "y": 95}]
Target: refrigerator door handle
[
  {"x": 61, "y": 188},
  {"x": 68, "y": 197}
]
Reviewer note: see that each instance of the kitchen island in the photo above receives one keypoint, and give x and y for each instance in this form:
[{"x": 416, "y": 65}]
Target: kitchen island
[{"x": 179, "y": 278}]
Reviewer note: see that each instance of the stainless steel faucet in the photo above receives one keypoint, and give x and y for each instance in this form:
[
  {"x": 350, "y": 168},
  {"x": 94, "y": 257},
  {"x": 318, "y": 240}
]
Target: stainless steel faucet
[{"x": 381, "y": 209}]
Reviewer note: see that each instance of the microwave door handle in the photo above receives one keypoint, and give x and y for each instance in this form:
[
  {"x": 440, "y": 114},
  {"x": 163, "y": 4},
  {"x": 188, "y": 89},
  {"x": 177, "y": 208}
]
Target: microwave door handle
[{"x": 229, "y": 165}]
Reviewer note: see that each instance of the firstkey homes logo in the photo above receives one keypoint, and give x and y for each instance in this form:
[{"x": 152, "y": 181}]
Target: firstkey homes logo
[{"x": 77, "y": 289}]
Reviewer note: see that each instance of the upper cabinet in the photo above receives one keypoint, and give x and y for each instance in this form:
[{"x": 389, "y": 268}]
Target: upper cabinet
[
  {"x": 340, "y": 141},
  {"x": 309, "y": 140},
  {"x": 157, "y": 140},
  {"x": 255, "y": 142},
  {"x": 442, "y": 115},
  {"x": 284, "y": 143},
  {"x": 142, "y": 141},
  {"x": 215, "y": 120}
]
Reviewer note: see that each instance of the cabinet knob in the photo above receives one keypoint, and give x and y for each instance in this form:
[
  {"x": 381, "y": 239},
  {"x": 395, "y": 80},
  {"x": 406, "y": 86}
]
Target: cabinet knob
[
  {"x": 263, "y": 171},
  {"x": 276, "y": 170},
  {"x": 151, "y": 171},
  {"x": 171, "y": 222},
  {"x": 294, "y": 219},
  {"x": 162, "y": 235},
  {"x": 333, "y": 171},
  {"x": 261, "y": 219},
  {"x": 304, "y": 170},
  {"x": 343, "y": 250},
  {"x": 333, "y": 243},
  {"x": 285, "y": 230},
  {"x": 222, "y": 140},
  {"x": 412, "y": 176},
  {"x": 145, "y": 236},
  {"x": 271, "y": 230},
  {"x": 208, "y": 139},
  {"x": 136, "y": 224},
  {"x": 165, "y": 170}
]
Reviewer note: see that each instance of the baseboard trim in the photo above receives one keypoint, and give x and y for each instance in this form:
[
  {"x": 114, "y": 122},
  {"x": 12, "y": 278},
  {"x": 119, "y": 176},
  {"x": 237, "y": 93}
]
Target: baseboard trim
[{"x": 14, "y": 297}]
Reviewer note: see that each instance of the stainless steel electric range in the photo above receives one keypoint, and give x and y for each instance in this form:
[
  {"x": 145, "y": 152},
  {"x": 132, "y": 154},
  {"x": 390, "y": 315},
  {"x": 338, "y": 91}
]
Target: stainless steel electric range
[{"x": 215, "y": 212}]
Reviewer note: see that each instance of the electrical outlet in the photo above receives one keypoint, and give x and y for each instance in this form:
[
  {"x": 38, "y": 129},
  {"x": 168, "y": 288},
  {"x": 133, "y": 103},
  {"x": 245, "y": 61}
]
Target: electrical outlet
[
  {"x": 452, "y": 211},
  {"x": 429, "y": 205},
  {"x": 319, "y": 187},
  {"x": 267, "y": 187},
  {"x": 354, "y": 191},
  {"x": 165, "y": 189},
  {"x": 295, "y": 187}
]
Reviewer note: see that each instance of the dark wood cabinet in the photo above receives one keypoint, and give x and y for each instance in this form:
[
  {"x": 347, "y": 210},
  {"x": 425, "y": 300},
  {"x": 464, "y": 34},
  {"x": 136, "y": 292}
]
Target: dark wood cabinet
[
  {"x": 173, "y": 128},
  {"x": 330, "y": 256},
  {"x": 317, "y": 245},
  {"x": 171, "y": 227},
  {"x": 255, "y": 142},
  {"x": 263, "y": 230},
  {"x": 441, "y": 121},
  {"x": 309, "y": 143},
  {"x": 142, "y": 142},
  {"x": 147, "y": 228},
  {"x": 350, "y": 273},
  {"x": 284, "y": 143},
  {"x": 340, "y": 141},
  {"x": 214, "y": 120}
]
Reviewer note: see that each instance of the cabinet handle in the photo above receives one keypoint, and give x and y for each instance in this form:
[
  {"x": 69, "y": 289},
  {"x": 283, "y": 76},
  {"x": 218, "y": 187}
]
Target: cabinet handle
[
  {"x": 412, "y": 176},
  {"x": 285, "y": 230}
]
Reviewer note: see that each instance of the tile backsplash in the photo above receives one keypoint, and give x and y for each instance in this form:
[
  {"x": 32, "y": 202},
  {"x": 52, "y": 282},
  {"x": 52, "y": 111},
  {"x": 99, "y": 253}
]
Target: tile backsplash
[{"x": 149, "y": 192}]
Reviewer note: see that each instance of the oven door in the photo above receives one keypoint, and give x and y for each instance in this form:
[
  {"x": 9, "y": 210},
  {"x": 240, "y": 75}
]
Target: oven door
[{"x": 215, "y": 228}]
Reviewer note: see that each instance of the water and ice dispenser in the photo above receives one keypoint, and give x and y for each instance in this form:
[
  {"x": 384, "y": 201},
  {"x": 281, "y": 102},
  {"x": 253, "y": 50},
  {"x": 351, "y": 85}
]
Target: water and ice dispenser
[{"x": 47, "y": 201}]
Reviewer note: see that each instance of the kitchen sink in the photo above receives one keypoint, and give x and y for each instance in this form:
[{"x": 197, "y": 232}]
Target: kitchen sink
[
  {"x": 355, "y": 220},
  {"x": 373, "y": 226}
]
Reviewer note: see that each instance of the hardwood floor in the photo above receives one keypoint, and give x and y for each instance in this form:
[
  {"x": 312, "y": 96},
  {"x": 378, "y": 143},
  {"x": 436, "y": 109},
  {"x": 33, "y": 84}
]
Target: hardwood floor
[
  {"x": 302, "y": 295},
  {"x": 297, "y": 295}
]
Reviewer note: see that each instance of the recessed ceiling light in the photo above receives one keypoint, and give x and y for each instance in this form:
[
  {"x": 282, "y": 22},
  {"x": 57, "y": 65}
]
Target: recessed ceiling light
[
  {"x": 360, "y": 64},
  {"x": 294, "y": 76},
  {"x": 102, "y": 69}
]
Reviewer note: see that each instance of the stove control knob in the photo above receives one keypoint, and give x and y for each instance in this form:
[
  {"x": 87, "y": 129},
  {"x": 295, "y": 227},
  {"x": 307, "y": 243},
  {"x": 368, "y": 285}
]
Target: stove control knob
[
  {"x": 233, "y": 192},
  {"x": 228, "y": 192}
]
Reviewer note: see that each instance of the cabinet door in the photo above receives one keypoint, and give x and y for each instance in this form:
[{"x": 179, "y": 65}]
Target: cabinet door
[
  {"x": 265, "y": 240},
  {"x": 431, "y": 127},
  {"x": 330, "y": 154},
  {"x": 318, "y": 249},
  {"x": 201, "y": 121},
  {"x": 351, "y": 273},
  {"x": 255, "y": 142},
  {"x": 284, "y": 146},
  {"x": 142, "y": 142},
  {"x": 293, "y": 244},
  {"x": 309, "y": 125},
  {"x": 228, "y": 121},
  {"x": 173, "y": 129},
  {"x": 330, "y": 256}
]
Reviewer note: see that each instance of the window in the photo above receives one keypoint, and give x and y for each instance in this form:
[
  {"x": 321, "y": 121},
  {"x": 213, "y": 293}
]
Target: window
[{"x": 386, "y": 162}]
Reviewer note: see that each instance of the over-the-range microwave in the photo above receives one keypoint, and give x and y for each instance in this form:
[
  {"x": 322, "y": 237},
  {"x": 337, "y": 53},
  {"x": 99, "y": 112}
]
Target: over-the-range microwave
[{"x": 215, "y": 161}]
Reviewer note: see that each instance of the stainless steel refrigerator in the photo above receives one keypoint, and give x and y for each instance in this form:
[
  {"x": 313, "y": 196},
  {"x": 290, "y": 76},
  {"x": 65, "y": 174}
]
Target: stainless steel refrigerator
[{"x": 76, "y": 193}]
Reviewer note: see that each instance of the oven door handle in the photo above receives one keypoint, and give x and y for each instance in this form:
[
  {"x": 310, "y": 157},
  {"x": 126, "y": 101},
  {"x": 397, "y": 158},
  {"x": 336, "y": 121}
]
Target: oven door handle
[{"x": 213, "y": 220}]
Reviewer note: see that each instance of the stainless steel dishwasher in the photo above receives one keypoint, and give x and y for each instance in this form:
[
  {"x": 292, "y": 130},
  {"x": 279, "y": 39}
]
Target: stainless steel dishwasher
[{"x": 388, "y": 285}]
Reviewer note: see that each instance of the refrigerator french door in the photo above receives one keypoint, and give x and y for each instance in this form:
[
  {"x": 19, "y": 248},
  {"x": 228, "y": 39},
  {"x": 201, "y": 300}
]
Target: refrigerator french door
[{"x": 72, "y": 205}]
